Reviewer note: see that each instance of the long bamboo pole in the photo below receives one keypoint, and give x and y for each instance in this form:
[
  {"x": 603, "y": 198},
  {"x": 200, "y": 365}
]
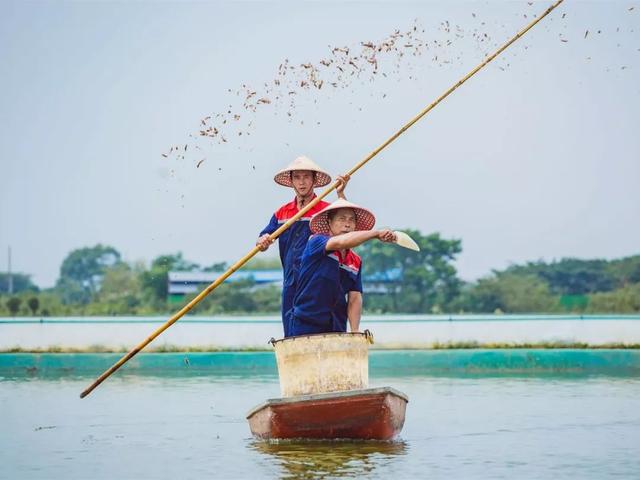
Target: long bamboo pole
[{"x": 292, "y": 220}]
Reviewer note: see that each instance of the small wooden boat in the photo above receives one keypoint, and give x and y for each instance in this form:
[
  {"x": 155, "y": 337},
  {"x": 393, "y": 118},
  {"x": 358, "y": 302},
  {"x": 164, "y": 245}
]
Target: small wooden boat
[{"x": 364, "y": 414}]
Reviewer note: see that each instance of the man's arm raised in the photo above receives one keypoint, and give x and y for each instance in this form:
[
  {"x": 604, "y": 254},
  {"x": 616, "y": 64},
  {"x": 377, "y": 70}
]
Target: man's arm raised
[
  {"x": 353, "y": 239},
  {"x": 343, "y": 179}
]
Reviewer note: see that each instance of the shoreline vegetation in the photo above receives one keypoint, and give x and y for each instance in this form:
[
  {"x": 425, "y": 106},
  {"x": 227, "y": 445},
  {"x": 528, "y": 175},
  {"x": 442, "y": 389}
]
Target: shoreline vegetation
[
  {"x": 385, "y": 347},
  {"x": 96, "y": 281}
]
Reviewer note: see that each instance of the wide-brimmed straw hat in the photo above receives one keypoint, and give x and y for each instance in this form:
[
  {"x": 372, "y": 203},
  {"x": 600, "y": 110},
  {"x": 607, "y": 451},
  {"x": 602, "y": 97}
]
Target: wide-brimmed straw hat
[
  {"x": 283, "y": 177},
  {"x": 365, "y": 220}
]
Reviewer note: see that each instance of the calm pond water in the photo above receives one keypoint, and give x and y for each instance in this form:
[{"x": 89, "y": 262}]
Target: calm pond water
[{"x": 179, "y": 426}]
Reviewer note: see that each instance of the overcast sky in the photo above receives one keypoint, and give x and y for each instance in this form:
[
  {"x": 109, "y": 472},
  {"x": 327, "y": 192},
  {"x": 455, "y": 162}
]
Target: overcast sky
[{"x": 536, "y": 157}]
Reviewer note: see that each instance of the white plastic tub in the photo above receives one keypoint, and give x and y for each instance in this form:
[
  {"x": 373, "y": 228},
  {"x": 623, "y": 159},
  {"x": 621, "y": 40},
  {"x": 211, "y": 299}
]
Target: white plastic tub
[{"x": 322, "y": 363}]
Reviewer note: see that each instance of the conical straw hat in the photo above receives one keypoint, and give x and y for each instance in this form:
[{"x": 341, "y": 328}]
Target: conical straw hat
[
  {"x": 283, "y": 177},
  {"x": 365, "y": 220}
]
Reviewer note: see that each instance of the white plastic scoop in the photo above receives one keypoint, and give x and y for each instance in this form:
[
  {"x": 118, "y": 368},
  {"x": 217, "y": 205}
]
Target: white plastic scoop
[{"x": 406, "y": 241}]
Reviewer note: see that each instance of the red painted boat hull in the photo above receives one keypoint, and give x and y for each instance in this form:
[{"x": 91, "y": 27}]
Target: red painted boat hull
[{"x": 367, "y": 414}]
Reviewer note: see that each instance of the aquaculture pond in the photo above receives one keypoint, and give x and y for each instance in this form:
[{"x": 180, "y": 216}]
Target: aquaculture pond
[{"x": 472, "y": 414}]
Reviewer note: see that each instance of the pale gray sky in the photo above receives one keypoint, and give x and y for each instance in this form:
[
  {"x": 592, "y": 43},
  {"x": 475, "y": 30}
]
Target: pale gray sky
[{"x": 536, "y": 157}]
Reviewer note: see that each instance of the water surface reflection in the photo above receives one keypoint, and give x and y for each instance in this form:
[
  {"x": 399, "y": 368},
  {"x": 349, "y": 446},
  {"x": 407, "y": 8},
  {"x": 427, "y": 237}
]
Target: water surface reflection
[{"x": 322, "y": 459}]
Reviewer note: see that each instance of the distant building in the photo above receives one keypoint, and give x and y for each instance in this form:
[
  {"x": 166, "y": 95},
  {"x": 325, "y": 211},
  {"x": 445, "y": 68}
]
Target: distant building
[
  {"x": 187, "y": 283},
  {"x": 379, "y": 282}
]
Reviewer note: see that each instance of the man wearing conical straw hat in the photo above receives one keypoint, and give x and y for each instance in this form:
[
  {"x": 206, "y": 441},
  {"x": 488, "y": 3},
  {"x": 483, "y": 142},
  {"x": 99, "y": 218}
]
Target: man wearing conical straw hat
[
  {"x": 329, "y": 289},
  {"x": 303, "y": 175}
]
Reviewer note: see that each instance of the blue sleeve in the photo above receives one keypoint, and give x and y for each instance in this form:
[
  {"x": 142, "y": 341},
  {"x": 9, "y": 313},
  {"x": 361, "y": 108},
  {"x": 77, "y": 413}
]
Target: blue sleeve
[
  {"x": 271, "y": 227},
  {"x": 316, "y": 246},
  {"x": 358, "y": 282}
]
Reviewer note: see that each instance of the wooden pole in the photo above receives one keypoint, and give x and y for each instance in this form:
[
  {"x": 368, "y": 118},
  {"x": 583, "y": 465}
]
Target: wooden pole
[{"x": 295, "y": 218}]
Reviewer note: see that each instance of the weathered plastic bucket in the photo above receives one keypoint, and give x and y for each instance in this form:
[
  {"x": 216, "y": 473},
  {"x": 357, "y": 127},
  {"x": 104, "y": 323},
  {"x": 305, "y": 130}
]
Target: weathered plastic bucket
[{"x": 321, "y": 363}]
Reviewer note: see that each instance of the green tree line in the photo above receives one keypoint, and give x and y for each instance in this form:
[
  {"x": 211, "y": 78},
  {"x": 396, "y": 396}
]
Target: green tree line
[{"x": 96, "y": 281}]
